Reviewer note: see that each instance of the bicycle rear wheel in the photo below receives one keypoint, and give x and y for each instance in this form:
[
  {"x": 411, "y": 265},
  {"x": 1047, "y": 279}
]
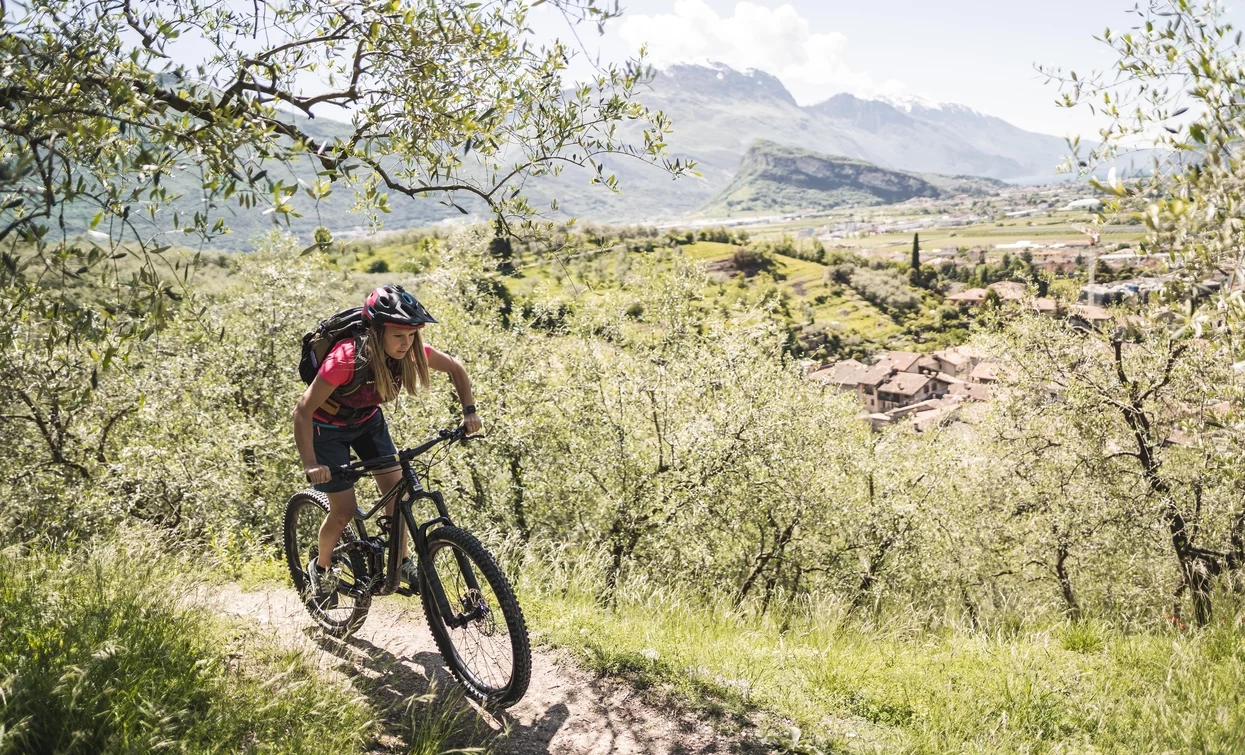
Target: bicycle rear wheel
[
  {"x": 490, "y": 655},
  {"x": 343, "y": 612}
]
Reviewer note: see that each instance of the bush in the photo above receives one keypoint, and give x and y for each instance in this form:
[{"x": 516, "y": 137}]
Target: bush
[
  {"x": 378, "y": 266},
  {"x": 884, "y": 288},
  {"x": 752, "y": 260}
]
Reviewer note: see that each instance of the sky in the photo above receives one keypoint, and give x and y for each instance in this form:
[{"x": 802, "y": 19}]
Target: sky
[{"x": 979, "y": 53}]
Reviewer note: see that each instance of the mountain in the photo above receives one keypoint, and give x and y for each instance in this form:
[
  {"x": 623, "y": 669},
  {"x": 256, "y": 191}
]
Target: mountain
[
  {"x": 718, "y": 113},
  {"x": 775, "y": 177}
]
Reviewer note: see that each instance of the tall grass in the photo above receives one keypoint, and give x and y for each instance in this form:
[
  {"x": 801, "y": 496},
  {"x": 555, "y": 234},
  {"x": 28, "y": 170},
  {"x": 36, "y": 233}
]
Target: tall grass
[
  {"x": 901, "y": 682},
  {"x": 107, "y": 651}
]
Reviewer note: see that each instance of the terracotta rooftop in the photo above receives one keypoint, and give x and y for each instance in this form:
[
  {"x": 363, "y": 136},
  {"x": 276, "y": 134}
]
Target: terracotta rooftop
[
  {"x": 900, "y": 360},
  {"x": 951, "y": 356},
  {"x": 905, "y": 384},
  {"x": 1010, "y": 290},
  {"x": 1046, "y": 305},
  {"x": 985, "y": 372},
  {"x": 971, "y": 391},
  {"x": 1091, "y": 312},
  {"x": 876, "y": 374},
  {"x": 846, "y": 372},
  {"x": 971, "y": 296}
]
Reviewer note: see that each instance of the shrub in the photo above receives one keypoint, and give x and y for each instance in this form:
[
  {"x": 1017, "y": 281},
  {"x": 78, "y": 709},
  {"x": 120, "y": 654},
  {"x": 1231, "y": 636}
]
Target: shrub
[{"x": 884, "y": 288}]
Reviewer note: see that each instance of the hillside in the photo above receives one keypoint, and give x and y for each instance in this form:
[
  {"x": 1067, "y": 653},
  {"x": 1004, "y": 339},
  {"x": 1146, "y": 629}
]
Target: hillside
[{"x": 774, "y": 177}]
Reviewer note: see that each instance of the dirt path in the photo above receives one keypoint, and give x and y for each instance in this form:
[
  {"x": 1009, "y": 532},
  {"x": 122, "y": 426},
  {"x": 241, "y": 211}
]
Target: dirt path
[{"x": 393, "y": 657}]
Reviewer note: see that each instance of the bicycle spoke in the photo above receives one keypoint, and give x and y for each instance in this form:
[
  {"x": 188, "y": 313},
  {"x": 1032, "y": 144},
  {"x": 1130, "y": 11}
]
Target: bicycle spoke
[{"x": 483, "y": 647}]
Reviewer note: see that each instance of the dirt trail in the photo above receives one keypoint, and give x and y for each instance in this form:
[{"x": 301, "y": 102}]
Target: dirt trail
[{"x": 393, "y": 657}]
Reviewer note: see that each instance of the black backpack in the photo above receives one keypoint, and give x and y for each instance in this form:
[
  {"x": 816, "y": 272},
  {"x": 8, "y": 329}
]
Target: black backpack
[{"x": 347, "y": 323}]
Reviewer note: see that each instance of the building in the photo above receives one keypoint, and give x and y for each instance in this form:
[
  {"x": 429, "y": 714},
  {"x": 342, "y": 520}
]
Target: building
[
  {"x": 901, "y": 361},
  {"x": 845, "y": 375},
  {"x": 926, "y": 387},
  {"x": 902, "y": 389},
  {"x": 971, "y": 297},
  {"x": 1009, "y": 290},
  {"x": 984, "y": 372},
  {"x": 867, "y": 388}
]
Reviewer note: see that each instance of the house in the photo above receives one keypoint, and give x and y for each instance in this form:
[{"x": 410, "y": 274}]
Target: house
[
  {"x": 1060, "y": 266},
  {"x": 985, "y": 372},
  {"x": 1090, "y": 314},
  {"x": 1047, "y": 306},
  {"x": 1009, "y": 290},
  {"x": 957, "y": 361},
  {"x": 971, "y": 297},
  {"x": 844, "y": 375},
  {"x": 867, "y": 388},
  {"x": 970, "y": 391},
  {"x": 906, "y": 388},
  {"x": 901, "y": 361}
]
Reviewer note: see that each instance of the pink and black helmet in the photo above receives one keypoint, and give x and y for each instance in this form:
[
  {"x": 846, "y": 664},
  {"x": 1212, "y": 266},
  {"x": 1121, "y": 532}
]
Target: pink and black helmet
[{"x": 392, "y": 305}]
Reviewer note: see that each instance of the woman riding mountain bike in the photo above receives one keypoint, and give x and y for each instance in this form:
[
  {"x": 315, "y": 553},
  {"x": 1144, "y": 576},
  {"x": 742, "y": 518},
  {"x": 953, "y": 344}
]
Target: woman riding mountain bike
[{"x": 340, "y": 411}]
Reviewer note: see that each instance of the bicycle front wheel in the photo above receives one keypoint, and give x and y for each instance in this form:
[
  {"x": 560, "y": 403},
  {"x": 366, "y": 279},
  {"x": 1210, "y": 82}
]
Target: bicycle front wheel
[{"x": 490, "y": 653}]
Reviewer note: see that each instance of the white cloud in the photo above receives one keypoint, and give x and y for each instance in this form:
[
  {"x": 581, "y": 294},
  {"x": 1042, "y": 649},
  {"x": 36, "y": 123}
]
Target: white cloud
[{"x": 777, "y": 41}]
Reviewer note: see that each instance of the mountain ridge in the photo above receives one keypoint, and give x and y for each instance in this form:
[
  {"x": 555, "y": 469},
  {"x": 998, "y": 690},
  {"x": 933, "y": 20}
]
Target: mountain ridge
[{"x": 775, "y": 177}]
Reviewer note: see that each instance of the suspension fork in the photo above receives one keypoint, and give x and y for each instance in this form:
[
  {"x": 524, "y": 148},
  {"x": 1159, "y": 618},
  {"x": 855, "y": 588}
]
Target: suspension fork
[{"x": 420, "y": 545}]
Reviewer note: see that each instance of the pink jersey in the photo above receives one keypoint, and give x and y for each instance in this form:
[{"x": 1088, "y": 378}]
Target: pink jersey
[{"x": 337, "y": 369}]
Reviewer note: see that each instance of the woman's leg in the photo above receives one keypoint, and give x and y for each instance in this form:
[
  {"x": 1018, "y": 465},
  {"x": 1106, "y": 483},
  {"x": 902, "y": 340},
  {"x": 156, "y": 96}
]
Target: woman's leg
[{"x": 341, "y": 511}]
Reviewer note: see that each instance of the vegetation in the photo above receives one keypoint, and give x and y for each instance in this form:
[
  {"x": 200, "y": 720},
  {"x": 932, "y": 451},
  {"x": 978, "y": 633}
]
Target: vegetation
[
  {"x": 1176, "y": 86},
  {"x": 667, "y": 419},
  {"x": 904, "y": 679},
  {"x": 678, "y": 502},
  {"x": 107, "y": 651}
]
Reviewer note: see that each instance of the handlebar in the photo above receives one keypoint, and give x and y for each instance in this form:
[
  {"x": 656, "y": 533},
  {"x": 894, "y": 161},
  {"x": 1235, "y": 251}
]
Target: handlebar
[{"x": 357, "y": 469}]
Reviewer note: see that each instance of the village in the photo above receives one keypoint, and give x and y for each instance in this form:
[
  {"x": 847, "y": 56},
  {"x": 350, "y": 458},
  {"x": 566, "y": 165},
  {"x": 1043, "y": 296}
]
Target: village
[{"x": 941, "y": 387}]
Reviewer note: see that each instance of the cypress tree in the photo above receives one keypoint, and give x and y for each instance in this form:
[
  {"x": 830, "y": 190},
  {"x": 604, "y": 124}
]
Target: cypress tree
[{"x": 916, "y": 251}]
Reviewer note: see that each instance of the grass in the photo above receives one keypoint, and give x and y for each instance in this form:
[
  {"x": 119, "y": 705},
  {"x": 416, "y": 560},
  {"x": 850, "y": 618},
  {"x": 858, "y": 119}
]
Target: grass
[
  {"x": 108, "y": 650},
  {"x": 837, "y": 683}
]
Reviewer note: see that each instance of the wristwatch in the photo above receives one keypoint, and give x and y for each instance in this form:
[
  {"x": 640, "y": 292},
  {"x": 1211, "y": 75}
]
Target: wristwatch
[{"x": 469, "y": 409}]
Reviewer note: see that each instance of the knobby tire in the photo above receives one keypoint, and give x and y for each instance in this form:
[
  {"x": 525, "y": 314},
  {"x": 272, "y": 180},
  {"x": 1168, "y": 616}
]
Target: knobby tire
[{"x": 487, "y": 571}]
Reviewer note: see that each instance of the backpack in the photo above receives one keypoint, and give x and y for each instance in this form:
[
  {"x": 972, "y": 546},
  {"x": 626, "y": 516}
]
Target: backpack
[{"x": 347, "y": 323}]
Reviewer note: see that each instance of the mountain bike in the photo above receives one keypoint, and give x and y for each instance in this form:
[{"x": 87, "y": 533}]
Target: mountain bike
[{"x": 470, "y": 607}]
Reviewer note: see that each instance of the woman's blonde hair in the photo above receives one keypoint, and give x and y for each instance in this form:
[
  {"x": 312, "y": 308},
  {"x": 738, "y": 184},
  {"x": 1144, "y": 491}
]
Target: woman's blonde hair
[{"x": 414, "y": 365}]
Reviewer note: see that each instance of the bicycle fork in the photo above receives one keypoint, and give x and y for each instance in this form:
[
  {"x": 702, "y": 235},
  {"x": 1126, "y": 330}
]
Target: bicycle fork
[{"x": 404, "y": 519}]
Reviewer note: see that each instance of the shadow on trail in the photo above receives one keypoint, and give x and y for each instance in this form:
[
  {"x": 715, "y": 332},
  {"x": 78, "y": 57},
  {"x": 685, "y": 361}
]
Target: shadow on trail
[{"x": 417, "y": 690}]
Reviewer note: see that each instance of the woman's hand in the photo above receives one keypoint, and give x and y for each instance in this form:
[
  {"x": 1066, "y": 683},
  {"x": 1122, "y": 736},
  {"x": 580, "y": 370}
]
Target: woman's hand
[
  {"x": 472, "y": 423},
  {"x": 318, "y": 475}
]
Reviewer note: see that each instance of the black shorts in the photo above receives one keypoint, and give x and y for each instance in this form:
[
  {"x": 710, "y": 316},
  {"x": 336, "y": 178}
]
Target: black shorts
[{"x": 369, "y": 440}]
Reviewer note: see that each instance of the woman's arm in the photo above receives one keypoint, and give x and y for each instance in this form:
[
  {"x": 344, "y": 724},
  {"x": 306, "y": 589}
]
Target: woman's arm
[
  {"x": 442, "y": 362},
  {"x": 313, "y": 398}
]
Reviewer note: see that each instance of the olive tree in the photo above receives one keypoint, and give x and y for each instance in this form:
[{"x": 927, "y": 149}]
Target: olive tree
[
  {"x": 128, "y": 130},
  {"x": 1121, "y": 446}
]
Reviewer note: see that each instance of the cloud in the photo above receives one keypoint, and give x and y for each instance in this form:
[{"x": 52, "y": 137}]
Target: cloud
[{"x": 777, "y": 41}]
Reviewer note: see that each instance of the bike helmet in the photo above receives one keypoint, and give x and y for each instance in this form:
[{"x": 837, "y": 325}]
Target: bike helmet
[{"x": 392, "y": 305}]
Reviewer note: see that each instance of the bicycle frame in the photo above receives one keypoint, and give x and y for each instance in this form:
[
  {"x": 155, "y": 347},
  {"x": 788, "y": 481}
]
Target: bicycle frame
[{"x": 403, "y": 495}]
